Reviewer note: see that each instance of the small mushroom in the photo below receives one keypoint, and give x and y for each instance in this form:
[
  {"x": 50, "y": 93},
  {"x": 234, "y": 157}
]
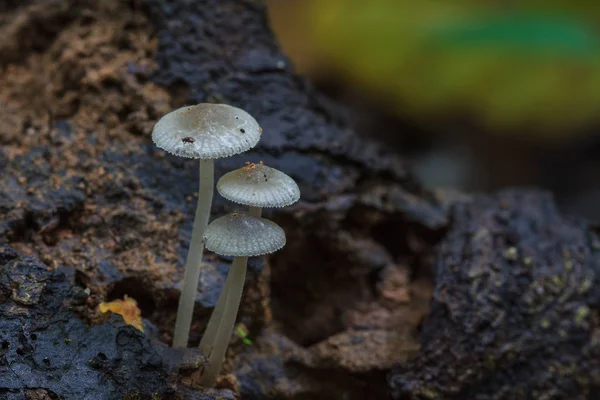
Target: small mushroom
[
  {"x": 205, "y": 132},
  {"x": 257, "y": 186},
  {"x": 242, "y": 236}
]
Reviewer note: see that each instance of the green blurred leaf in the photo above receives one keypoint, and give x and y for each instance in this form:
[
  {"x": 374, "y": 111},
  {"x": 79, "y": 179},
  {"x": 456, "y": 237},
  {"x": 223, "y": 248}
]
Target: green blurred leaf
[
  {"x": 526, "y": 64},
  {"x": 533, "y": 34}
]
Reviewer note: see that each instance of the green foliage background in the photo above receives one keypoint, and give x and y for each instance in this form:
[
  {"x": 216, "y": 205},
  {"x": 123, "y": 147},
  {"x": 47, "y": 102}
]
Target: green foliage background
[{"x": 527, "y": 64}]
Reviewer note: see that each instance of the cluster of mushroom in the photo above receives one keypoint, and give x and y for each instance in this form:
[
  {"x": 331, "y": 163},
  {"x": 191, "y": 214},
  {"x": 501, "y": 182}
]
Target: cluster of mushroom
[{"x": 208, "y": 132}]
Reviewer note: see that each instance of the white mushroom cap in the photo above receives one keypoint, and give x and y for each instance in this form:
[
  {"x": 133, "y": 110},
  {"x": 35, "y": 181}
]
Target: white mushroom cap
[
  {"x": 241, "y": 235},
  {"x": 206, "y": 131},
  {"x": 257, "y": 185}
]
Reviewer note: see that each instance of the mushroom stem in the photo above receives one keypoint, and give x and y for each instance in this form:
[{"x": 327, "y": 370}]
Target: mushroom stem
[
  {"x": 237, "y": 274},
  {"x": 255, "y": 211},
  {"x": 210, "y": 334},
  {"x": 191, "y": 274}
]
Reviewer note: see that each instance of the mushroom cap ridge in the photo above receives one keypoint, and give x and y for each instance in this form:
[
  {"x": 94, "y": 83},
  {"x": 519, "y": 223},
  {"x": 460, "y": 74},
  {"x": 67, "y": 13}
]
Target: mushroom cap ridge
[
  {"x": 257, "y": 185},
  {"x": 241, "y": 235},
  {"x": 206, "y": 131}
]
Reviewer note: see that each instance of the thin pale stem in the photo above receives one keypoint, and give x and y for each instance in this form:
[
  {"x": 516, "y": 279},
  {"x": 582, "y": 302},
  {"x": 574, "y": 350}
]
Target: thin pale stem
[
  {"x": 255, "y": 212},
  {"x": 210, "y": 334},
  {"x": 191, "y": 274},
  {"x": 217, "y": 355}
]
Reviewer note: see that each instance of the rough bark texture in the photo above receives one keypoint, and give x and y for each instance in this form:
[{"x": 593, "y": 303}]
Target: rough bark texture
[
  {"x": 45, "y": 352},
  {"x": 514, "y": 312},
  {"x": 82, "y": 187},
  {"x": 85, "y": 192}
]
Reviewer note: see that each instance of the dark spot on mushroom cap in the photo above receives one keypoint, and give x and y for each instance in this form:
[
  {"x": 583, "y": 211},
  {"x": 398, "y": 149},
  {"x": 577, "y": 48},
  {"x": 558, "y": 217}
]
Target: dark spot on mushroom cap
[
  {"x": 192, "y": 121},
  {"x": 242, "y": 130},
  {"x": 237, "y": 186}
]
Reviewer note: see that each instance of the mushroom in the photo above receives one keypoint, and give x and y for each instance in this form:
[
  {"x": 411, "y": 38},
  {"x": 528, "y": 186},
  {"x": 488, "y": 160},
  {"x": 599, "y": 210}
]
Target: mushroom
[
  {"x": 257, "y": 186},
  {"x": 240, "y": 235},
  {"x": 205, "y": 132}
]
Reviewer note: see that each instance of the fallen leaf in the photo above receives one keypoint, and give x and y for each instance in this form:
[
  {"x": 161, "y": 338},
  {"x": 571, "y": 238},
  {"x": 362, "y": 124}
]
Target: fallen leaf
[{"x": 127, "y": 308}]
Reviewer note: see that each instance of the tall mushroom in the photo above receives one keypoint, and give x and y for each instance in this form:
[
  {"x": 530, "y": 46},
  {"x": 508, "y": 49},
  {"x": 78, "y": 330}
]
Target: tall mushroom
[
  {"x": 242, "y": 236},
  {"x": 206, "y": 132},
  {"x": 256, "y": 186}
]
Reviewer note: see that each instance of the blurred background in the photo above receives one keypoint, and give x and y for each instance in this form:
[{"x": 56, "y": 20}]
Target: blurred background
[{"x": 477, "y": 95}]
